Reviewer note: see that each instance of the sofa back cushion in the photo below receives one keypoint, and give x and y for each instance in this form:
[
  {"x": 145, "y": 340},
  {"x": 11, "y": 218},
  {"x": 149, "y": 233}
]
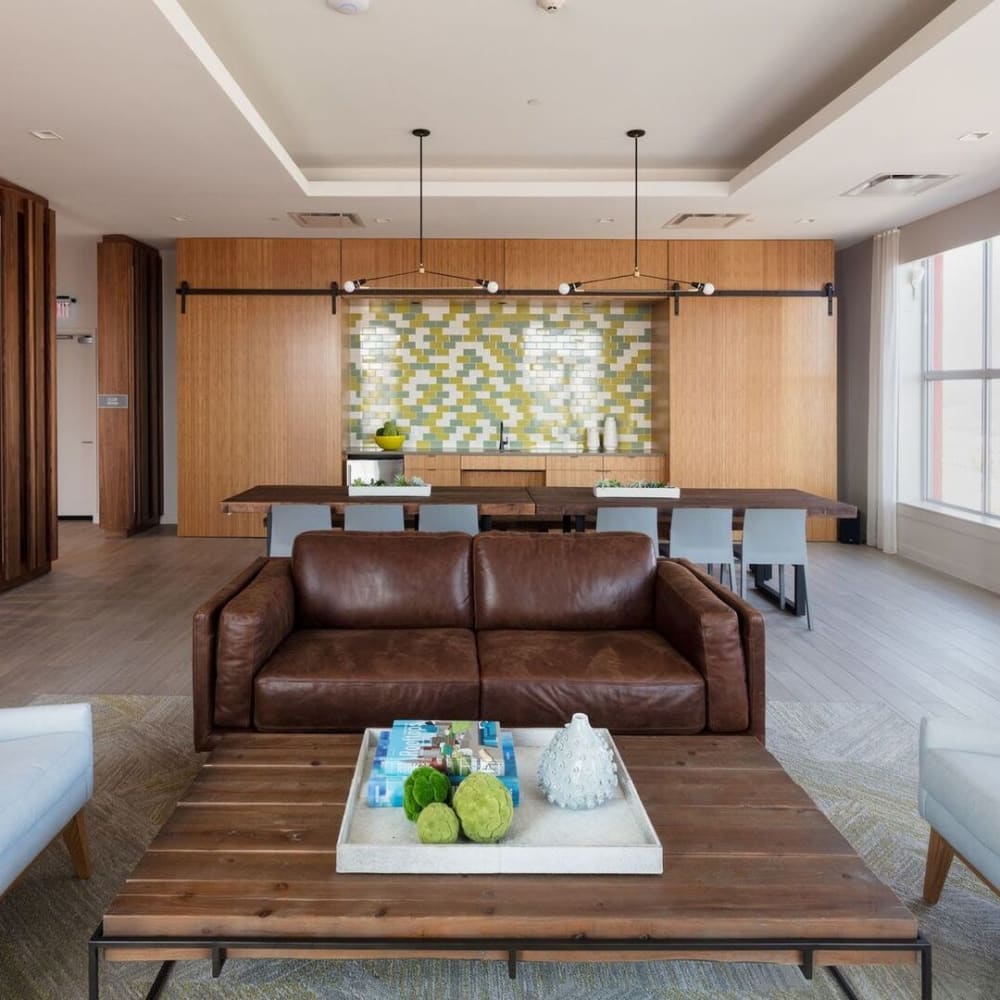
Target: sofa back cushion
[
  {"x": 392, "y": 579},
  {"x": 571, "y": 581}
]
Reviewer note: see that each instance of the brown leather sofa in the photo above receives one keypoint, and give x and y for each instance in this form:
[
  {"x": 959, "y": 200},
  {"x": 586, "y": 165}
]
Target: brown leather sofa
[{"x": 357, "y": 629}]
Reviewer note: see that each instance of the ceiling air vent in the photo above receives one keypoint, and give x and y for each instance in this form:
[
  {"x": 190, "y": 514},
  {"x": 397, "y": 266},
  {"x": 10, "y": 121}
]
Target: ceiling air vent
[
  {"x": 703, "y": 220},
  {"x": 897, "y": 185},
  {"x": 328, "y": 220}
]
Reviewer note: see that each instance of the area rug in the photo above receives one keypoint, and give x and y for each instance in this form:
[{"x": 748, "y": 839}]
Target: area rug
[{"x": 858, "y": 762}]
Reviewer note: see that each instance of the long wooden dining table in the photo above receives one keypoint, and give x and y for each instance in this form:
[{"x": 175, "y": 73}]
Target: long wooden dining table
[{"x": 573, "y": 506}]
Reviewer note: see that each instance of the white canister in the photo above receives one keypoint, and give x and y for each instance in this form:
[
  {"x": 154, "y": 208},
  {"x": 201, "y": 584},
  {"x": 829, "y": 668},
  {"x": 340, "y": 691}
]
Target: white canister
[
  {"x": 593, "y": 438},
  {"x": 610, "y": 434}
]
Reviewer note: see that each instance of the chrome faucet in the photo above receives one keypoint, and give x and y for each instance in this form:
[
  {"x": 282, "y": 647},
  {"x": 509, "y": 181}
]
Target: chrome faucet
[{"x": 503, "y": 440}]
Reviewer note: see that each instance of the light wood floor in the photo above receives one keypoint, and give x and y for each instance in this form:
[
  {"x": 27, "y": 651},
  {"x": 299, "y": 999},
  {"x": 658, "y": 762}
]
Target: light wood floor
[{"x": 114, "y": 617}]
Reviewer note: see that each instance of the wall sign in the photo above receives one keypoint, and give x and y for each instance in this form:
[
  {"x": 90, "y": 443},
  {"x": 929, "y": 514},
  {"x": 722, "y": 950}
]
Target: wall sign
[{"x": 117, "y": 401}]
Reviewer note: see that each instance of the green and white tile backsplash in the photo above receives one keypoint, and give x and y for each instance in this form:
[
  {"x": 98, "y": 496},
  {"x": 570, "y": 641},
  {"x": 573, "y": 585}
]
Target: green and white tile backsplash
[{"x": 450, "y": 371}]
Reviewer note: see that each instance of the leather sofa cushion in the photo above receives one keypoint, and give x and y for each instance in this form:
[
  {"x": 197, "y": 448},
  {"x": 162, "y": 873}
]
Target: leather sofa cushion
[
  {"x": 391, "y": 580},
  {"x": 626, "y": 681},
  {"x": 572, "y": 581},
  {"x": 354, "y": 678}
]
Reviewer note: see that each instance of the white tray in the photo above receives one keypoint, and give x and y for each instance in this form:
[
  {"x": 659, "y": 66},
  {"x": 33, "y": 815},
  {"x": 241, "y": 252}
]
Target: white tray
[
  {"x": 389, "y": 491},
  {"x": 649, "y": 492},
  {"x": 615, "y": 838}
]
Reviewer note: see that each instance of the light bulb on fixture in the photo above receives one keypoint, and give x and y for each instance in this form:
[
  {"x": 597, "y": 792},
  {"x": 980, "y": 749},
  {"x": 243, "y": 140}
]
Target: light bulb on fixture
[
  {"x": 705, "y": 287},
  {"x": 489, "y": 286},
  {"x": 353, "y": 286},
  {"x": 567, "y": 287}
]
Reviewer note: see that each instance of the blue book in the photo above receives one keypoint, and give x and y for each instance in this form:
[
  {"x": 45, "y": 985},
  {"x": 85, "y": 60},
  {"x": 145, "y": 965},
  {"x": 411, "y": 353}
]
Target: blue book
[
  {"x": 386, "y": 789},
  {"x": 456, "y": 746}
]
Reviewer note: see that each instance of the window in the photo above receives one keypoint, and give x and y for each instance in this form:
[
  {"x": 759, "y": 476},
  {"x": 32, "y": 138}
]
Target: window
[{"x": 961, "y": 322}]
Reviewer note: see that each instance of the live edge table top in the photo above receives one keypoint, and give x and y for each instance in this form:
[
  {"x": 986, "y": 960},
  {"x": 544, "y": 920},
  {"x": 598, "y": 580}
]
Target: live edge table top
[{"x": 250, "y": 852}]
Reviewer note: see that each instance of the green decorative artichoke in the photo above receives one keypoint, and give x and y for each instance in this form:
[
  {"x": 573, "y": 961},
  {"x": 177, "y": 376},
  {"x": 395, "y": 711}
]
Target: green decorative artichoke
[
  {"x": 423, "y": 786},
  {"x": 484, "y": 807},
  {"x": 437, "y": 824}
]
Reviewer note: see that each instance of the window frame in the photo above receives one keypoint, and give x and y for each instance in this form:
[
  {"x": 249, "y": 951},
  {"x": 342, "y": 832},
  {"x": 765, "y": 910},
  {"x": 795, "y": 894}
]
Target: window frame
[{"x": 985, "y": 375}]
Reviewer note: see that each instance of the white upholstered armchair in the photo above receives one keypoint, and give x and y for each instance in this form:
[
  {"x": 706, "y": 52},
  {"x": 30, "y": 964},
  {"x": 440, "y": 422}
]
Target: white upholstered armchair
[
  {"x": 46, "y": 778},
  {"x": 960, "y": 798}
]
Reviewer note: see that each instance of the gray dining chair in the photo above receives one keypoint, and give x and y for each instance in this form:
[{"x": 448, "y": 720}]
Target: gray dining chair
[
  {"x": 775, "y": 538},
  {"x": 449, "y": 517},
  {"x": 287, "y": 520},
  {"x": 704, "y": 535},
  {"x": 373, "y": 517},
  {"x": 640, "y": 519}
]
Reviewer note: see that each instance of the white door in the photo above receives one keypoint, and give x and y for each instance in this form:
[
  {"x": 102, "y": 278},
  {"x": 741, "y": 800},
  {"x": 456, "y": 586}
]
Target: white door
[{"x": 76, "y": 425}]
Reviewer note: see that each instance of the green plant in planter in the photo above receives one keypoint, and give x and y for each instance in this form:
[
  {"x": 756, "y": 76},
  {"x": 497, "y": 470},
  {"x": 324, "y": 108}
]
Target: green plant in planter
[
  {"x": 423, "y": 786},
  {"x": 389, "y": 429}
]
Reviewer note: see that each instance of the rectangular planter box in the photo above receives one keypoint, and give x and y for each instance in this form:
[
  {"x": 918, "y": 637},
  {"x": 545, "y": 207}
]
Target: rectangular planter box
[
  {"x": 615, "y": 838},
  {"x": 389, "y": 491},
  {"x": 631, "y": 492}
]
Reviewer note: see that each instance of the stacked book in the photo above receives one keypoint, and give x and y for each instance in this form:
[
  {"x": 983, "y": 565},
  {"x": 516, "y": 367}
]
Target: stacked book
[{"x": 455, "y": 748}]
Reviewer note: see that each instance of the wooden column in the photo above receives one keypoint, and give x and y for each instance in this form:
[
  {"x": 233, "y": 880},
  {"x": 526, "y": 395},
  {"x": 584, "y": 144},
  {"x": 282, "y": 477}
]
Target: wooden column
[
  {"x": 129, "y": 370},
  {"x": 28, "y": 541}
]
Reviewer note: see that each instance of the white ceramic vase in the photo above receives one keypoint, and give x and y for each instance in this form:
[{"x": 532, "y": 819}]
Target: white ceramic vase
[
  {"x": 610, "y": 434},
  {"x": 593, "y": 438},
  {"x": 577, "y": 769}
]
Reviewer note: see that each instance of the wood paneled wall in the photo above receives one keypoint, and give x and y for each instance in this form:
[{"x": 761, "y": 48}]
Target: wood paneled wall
[
  {"x": 467, "y": 258},
  {"x": 537, "y": 264},
  {"x": 258, "y": 377},
  {"x": 753, "y": 382},
  {"x": 28, "y": 542},
  {"x": 129, "y": 363}
]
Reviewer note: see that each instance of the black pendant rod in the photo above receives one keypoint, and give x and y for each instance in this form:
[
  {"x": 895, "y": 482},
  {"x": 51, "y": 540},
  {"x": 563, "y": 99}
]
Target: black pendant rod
[
  {"x": 636, "y": 134},
  {"x": 421, "y": 134}
]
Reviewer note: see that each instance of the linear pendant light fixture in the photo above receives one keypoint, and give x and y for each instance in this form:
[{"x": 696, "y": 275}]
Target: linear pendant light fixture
[
  {"x": 696, "y": 287},
  {"x": 486, "y": 284}
]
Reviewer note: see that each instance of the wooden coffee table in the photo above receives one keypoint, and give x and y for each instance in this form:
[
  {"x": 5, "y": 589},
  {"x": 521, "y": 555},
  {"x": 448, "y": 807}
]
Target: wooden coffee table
[{"x": 753, "y": 872}]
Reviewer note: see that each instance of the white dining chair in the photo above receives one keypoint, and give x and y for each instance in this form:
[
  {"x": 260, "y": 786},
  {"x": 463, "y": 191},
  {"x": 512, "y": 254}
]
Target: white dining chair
[
  {"x": 373, "y": 517},
  {"x": 448, "y": 517},
  {"x": 639, "y": 519},
  {"x": 775, "y": 537},
  {"x": 287, "y": 520},
  {"x": 704, "y": 535}
]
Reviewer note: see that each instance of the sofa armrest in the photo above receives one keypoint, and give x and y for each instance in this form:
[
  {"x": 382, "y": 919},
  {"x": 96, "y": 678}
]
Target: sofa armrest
[
  {"x": 751, "y": 623},
  {"x": 44, "y": 720},
  {"x": 709, "y": 631},
  {"x": 251, "y": 627},
  {"x": 203, "y": 662},
  {"x": 959, "y": 734}
]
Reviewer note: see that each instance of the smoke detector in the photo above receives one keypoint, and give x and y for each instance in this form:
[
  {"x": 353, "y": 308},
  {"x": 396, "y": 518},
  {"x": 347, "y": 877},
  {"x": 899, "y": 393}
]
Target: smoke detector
[
  {"x": 549, "y": 6},
  {"x": 348, "y": 6}
]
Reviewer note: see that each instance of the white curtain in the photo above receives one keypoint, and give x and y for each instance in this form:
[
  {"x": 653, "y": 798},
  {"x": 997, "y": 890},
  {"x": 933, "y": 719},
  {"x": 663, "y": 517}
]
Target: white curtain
[{"x": 883, "y": 395}]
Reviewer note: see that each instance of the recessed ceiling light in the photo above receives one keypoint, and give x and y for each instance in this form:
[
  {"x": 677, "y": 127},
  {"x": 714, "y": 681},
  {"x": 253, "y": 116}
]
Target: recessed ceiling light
[
  {"x": 382, "y": 221},
  {"x": 605, "y": 221},
  {"x": 274, "y": 218},
  {"x": 533, "y": 101},
  {"x": 45, "y": 133},
  {"x": 179, "y": 218},
  {"x": 348, "y": 6},
  {"x": 805, "y": 221},
  {"x": 973, "y": 136}
]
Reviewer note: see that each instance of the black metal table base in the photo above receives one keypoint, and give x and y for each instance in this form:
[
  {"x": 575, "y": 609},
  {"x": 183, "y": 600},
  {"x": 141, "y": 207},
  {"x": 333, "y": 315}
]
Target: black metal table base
[
  {"x": 220, "y": 947},
  {"x": 796, "y": 604}
]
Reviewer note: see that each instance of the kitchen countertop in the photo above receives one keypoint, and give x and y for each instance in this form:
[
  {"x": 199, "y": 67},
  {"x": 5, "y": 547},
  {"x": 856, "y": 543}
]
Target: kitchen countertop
[{"x": 380, "y": 453}]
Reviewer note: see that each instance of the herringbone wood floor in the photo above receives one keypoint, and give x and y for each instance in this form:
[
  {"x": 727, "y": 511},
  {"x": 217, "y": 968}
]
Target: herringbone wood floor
[{"x": 114, "y": 617}]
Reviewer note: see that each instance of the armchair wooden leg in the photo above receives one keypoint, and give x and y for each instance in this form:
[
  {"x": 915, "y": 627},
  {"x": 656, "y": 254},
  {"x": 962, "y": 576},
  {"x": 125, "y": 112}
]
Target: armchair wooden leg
[
  {"x": 75, "y": 836},
  {"x": 939, "y": 855}
]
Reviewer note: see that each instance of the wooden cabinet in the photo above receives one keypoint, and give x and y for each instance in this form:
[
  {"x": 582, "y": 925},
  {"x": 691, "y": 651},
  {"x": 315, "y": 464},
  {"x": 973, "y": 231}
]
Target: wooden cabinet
[
  {"x": 467, "y": 258},
  {"x": 754, "y": 264},
  {"x": 28, "y": 540},
  {"x": 129, "y": 367},
  {"x": 543, "y": 264},
  {"x": 438, "y": 470},
  {"x": 502, "y": 469},
  {"x": 574, "y": 470},
  {"x": 632, "y": 467}
]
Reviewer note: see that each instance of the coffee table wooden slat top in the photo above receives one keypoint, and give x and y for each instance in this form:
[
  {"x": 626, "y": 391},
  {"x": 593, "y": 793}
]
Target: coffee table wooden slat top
[{"x": 250, "y": 851}]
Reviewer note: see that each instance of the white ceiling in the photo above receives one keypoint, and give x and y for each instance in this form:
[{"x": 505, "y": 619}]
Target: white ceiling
[{"x": 232, "y": 113}]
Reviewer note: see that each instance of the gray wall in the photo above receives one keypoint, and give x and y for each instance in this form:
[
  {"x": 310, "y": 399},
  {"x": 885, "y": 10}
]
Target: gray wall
[{"x": 854, "y": 290}]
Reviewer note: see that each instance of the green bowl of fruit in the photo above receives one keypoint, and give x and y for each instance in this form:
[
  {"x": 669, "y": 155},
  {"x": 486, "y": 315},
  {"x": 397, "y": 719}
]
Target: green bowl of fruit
[{"x": 388, "y": 436}]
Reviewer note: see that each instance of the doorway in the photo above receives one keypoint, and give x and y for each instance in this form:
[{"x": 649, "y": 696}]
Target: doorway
[{"x": 76, "y": 425}]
